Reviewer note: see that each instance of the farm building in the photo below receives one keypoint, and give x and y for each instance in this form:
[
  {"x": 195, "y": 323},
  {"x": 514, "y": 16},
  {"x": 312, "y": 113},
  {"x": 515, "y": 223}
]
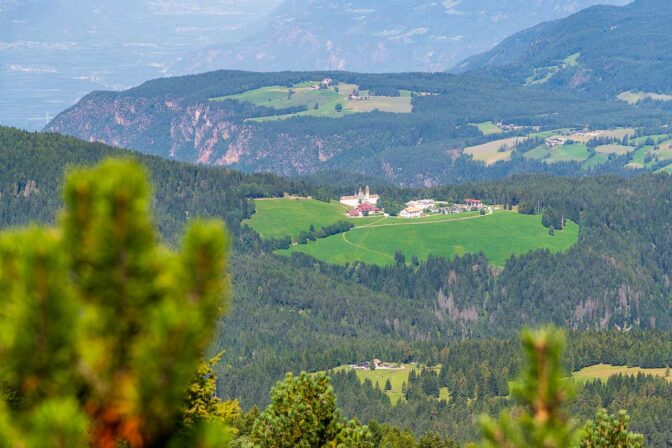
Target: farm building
[
  {"x": 554, "y": 142},
  {"x": 364, "y": 210},
  {"x": 473, "y": 203},
  {"x": 360, "y": 197},
  {"x": 411, "y": 212}
]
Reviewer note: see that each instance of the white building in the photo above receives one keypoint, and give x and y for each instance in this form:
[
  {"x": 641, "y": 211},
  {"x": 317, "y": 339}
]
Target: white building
[
  {"x": 360, "y": 197},
  {"x": 411, "y": 212},
  {"x": 422, "y": 203}
]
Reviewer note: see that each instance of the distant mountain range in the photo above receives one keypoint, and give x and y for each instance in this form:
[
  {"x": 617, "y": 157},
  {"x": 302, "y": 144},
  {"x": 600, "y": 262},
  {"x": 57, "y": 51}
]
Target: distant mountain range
[
  {"x": 379, "y": 36},
  {"x": 603, "y": 50}
]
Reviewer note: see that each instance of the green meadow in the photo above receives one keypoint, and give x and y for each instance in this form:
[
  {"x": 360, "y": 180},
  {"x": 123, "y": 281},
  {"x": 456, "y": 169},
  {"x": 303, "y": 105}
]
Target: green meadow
[
  {"x": 498, "y": 235},
  {"x": 489, "y": 128},
  {"x": 602, "y": 372},
  {"x": 397, "y": 378},
  {"x": 564, "y": 153},
  {"x": 320, "y": 103},
  {"x": 277, "y": 218}
]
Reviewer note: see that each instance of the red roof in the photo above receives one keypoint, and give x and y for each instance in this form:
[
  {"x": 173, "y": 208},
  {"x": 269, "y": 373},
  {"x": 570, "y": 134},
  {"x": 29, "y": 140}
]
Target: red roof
[
  {"x": 368, "y": 208},
  {"x": 472, "y": 201},
  {"x": 353, "y": 213}
]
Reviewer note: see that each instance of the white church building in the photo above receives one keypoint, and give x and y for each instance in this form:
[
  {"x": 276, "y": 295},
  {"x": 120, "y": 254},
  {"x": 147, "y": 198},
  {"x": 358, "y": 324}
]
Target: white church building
[{"x": 360, "y": 197}]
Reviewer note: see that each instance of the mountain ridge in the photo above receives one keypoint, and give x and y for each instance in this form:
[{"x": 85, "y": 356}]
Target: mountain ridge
[
  {"x": 602, "y": 50},
  {"x": 359, "y": 35}
]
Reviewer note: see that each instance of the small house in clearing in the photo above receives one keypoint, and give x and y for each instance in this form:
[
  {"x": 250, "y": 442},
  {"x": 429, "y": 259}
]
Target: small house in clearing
[{"x": 554, "y": 142}]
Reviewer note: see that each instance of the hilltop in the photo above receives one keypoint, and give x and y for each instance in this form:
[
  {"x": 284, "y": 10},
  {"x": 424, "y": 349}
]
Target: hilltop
[{"x": 603, "y": 50}]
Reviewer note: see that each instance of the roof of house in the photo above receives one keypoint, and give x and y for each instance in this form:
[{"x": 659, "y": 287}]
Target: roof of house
[
  {"x": 413, "y": 209},
  {"x": 368, "y": 208},
  {"x": 472, "y": 201},
  {"x": 353, "y": 213}
]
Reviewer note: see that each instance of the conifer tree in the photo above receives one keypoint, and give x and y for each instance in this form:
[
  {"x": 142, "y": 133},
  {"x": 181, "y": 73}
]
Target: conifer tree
[
  {"x": 303, "y": 414},
  {"x": 541, "y": 391},
  {"x": 102, "y": 326},
  {"x": 202, "y": 402},
  {"x": 609, "y": 431}
]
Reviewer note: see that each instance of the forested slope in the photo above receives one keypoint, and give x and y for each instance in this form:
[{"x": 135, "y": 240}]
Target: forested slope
[
  {"x": 602, "y": 50},
  {"x": 293, "y": 314},
  {"x": 175, "y": 118}
]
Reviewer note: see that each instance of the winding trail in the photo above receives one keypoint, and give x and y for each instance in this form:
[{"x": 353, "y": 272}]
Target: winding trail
[{"x": 373, "y": 224}]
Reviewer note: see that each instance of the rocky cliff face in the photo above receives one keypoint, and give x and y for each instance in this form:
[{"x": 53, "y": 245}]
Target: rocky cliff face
[{"x": 199, "y": 132}]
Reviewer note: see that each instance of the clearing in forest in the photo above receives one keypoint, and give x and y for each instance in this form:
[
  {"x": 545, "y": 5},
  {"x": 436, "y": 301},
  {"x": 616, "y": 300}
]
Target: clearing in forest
[
  {"x": 498, "y": 235},
  {"x": 277, "y": 218},
  {"x": 322, "y": 102},
  {"x": 397, "y": 378},
  {"x": 602, "y": 372}
]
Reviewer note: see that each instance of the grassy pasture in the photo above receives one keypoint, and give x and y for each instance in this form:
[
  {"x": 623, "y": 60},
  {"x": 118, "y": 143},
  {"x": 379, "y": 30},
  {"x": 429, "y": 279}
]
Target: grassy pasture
[
  {"x": 489, "y": 152},
  {"x": 396, "y": 377},
  {"x": 636, "y": 97},
  {"x": 498, "y": 235},
  {"x": 596, "y": 160},
  {"x": 657, "y": 138},
  {"x": 565, "y": 153},
  {"x": 489, "y": 128},
  {"x": 614, "y": 149},
  {"x": 326, "y": 100},
  {"x": 277, "y": 218},
  {"x": 602, "y": 372}
]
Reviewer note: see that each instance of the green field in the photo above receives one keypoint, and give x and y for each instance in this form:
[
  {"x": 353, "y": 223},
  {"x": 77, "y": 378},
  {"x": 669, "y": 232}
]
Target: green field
[
  {"x": 320, "y": 103},
  {"x": 489, "y": 128},
  {"x": 396, "y": 377},
  {"x": 498, "y": 235},
  {"x": 277, "y": 218},
  {"x": 596, "y": 160},
  {"x": 602, "y": 372},
  {"x": 490, "y": 152},
  {"x": 614, "y": 149},
  {"x": 566, "y": 153},
  {"x": 636, "y": 97}
]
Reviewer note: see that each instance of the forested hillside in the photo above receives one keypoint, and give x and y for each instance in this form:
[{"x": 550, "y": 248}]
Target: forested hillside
[
  {"x": 602, "y": 50},
  {"x": 293, "y": 314},
  {"x": 178, "y": 119}
]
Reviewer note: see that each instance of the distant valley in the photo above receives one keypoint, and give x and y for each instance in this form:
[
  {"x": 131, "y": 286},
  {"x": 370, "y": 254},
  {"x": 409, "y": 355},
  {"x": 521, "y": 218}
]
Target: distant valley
[{"x": 48, "y": 60}]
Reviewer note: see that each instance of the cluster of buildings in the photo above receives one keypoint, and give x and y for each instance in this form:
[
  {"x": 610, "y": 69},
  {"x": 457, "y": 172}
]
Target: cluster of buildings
[
  {"x": 363, "y": 203},
  {"x": 378, "y": 364},
  {"x": 421, "y": 207},
  {"x": 357, "y": 97},
  {"x": 326, "y": 82}
]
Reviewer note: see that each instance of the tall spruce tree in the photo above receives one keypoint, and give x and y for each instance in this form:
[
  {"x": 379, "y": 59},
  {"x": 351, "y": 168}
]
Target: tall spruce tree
[{"x": 103, "y": 327}]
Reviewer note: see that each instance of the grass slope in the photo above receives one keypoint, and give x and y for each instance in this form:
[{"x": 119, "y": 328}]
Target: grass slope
[
  {"x": 279, "y": 97},
  {"x": 498, "y": 235},
  {"x": 277, "y": 218},
  {"x": 602, "y": 372},
  {"x": 397, "y": 379}
]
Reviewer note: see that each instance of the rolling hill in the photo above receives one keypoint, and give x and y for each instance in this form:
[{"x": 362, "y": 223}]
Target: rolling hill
[{"x": 603, "y": 50}]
